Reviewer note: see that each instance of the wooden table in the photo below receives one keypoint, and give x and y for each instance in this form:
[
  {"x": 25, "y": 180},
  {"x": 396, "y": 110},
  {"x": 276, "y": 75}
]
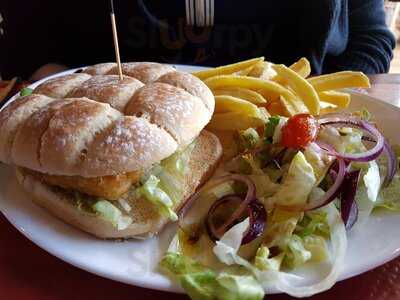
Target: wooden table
[{"x": 28, "y": 272}]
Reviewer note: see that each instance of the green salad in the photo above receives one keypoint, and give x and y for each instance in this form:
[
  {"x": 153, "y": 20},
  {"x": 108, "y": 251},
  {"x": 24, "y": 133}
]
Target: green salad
[{"x": 284, "y": 202}]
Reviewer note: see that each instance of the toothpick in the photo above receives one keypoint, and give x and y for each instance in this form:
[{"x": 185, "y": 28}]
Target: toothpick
[{"x": 115, "y": 36}]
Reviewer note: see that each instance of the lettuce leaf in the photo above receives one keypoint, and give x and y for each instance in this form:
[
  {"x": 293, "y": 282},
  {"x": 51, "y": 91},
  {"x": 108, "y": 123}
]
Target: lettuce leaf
[
  {"x": 367, "y": 191},
  {"x": 298, "y": 183},
  {"x": 280, "y": 228},
  {"x": 236, "y": 287},
  {"x": 25, "y": 92},
  {"x": 111, "y": 213},
  {"x": 269, "y": 129},
  {"x": 389, "y": 196},
  {"x": 202, "y": 283},
  {"x": 313, "y": 222},
  {"x": 372, "y": 181},
  {"x": 227, "y": 247},
  {"x": 263, "y": 262},
  {"x": 158, "y": 197},
  {"x": 248, "y": 138},
  {"x": 173, "y": 172},
  {"x": 278, "y": 130},
  {"x": 317, "y": 246},
  {"x": 319, "y": 161},
  {"x": 296, "y": 254},
  {"x": 344, "y": 140}
]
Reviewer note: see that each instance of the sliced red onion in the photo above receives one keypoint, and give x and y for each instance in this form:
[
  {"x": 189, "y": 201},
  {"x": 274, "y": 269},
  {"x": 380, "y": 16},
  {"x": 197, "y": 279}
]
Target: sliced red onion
[
  {"x": 348, "y": 204},
  {"x": 251, "y": 191},
  {"x": 258, "y": 220},
  {"x": 255, "y": 211},
  {"x": 392, "y": 163},
  {"x": 353, "y": 122},
  {"x": 333, "y": 191}
]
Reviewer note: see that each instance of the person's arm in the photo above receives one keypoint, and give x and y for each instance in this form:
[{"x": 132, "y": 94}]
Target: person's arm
[{"x": 370, "y": 45}]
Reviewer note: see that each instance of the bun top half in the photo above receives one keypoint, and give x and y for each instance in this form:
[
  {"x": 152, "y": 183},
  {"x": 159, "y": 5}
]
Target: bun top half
[{"x": 92, "y": 124}]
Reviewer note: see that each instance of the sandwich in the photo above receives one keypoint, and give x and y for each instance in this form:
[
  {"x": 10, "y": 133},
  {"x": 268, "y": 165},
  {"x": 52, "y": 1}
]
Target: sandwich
[{"x": 115, "y": 158}]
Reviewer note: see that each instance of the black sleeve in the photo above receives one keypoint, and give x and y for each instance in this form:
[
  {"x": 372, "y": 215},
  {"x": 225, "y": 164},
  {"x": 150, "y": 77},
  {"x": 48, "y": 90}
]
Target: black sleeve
[{"x": 370, "y": 46}]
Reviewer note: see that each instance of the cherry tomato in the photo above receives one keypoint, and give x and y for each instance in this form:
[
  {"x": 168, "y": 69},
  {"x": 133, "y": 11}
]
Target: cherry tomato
[{"x": 299, "y": 131}]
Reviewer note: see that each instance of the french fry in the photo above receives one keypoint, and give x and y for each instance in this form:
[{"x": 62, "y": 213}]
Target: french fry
[
  {"x": 233, "y": 121},
  {"x": 258, "y": 69},
  {"x": 228, "y": 69},
  {"x": 263, "y": 70},
  {"x": 329, "y": 110},
  {"x": 339, "y": 80},
  {"x": 293, "y": 106},
  {"x": 269, "y": 89},
  {"x": 301, "y": 87},
  {"x": 301, "y": 67},
  {"x": 337, "y": 98},
  {"x": 226, "y": 103},
  {"x": 244, "y": 72},
  {"x": 276, "y": 108},
  {"x": 241, "y": 93}
]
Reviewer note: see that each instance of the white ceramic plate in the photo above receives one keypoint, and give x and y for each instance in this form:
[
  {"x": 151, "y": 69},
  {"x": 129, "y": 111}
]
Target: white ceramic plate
[{"x": 135, "y": 262}]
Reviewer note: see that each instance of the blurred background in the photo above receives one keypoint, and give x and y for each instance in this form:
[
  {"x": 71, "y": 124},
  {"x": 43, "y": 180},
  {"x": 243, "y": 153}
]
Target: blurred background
[{"x": 393, "y": 21}]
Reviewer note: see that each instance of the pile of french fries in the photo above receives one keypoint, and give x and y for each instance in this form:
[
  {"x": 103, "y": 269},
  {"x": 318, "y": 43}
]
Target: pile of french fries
[{"x": 248, "y": 92}]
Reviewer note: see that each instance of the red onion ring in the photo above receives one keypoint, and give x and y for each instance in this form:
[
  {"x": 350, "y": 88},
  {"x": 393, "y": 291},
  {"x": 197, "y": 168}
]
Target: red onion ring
[
  {"x": 348, "y": 204},
  {"x": 251, "y": 191},
  {"x": 255, "y": 211},
  {"x": 370, "y": 154},
  {"x": 333, "y": 191},
  {"x": 392, "y": 163},
  {"x": 330, "y": 194}
]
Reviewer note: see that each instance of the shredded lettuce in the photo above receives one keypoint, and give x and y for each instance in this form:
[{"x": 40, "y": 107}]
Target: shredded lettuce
[
  {"x": 344, "y": 140},
  {"x": 111, "y": 213},
  {"x": 367, "y": 192},
  {"x": 249, "y": 138},
  {"x": 290, "y": 283},
  {"x": 296, "y": 254},
  {"x": 372, "y": 181},
  {"x": 280, "y": 228},
  {"x": 270, "y": 129},
  {"x": 319, "y": 161},
  {"x": 239, "y": 287},
  {"x": 203, "y": 283},
  {"x": 317, "y": 246},
  {"x": 230, "y": 242},
  {"x": 278, "y": 130},
  {"x": 389, "y": 196},
  {"x": 339, "y": 245},
  {"x": 158, "y": 197},
  {"x": 173, "y": 171},
  {"x": 25, "y": 92},
  {"x": 298, "y": 183},
  {"x": 263, "y": 262},
  {"x": 177, "y": 163},
  {"x": 313, "y": 222}
]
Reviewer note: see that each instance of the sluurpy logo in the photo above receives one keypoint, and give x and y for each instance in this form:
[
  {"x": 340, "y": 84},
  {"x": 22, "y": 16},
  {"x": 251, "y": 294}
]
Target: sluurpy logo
[{"x": 233, "y": 38}]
